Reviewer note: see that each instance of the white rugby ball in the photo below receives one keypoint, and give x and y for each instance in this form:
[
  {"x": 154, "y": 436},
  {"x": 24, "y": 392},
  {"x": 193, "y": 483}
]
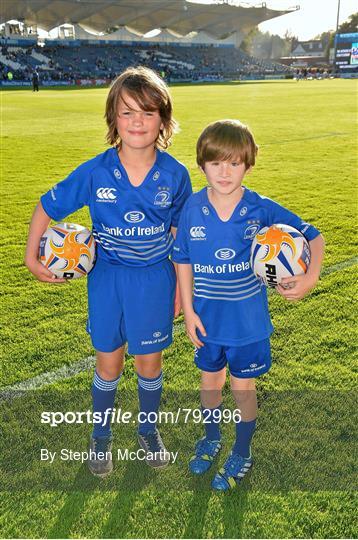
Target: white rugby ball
[
  {"x": 68, "y": 250},
  {"x": 279, "y": 251}
]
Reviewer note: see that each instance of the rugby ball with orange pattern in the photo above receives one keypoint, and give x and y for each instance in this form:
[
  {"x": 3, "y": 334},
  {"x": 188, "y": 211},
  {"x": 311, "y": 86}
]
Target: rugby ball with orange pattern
[
  {"x": 68, "y": 250},
  {"x": 279, "y": 251}
]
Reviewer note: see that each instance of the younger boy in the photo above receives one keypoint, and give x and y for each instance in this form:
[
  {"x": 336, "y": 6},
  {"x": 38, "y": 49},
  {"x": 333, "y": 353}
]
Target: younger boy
[{"x": 229, "y": 321}]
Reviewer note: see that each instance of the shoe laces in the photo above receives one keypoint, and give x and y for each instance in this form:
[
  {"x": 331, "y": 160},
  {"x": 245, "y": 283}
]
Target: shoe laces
[
  {"x": 153, "y": 441},
  {"x": 206, "y": 446},
  {"x": 234, "y": 464},
  {"x": 101, "y": 444}
]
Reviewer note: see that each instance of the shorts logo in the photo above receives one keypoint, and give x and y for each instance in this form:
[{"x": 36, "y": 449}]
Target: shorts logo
[
  {"x": 162, "y": 198},
  {"x": 225, "y": 254},
  {"x": 117, "y": 174},
  {"x": 205, "y": 210},
  {"x": 251, "y": 231},
  {"x": 156, "y": 176},
  {"x": 106, "y": 194},
  {"x": 53, "y": 195},
  {"x": 134, "y": 217},
  {"x": 253, "y": 365},
  {"x": 198, "y": 233},
  {"x": 157, "y": 334}
]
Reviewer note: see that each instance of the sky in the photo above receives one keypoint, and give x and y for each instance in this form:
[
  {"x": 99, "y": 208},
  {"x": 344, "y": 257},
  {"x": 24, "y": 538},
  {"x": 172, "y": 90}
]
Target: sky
[{"x": 313, "y": 18}]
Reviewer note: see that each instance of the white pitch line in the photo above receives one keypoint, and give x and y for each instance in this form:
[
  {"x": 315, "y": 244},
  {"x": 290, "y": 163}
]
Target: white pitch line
[
  {"x": 51, "y": 377},
  {"x": 339, "y": 266},
  {"x": 66, "y": 372}
]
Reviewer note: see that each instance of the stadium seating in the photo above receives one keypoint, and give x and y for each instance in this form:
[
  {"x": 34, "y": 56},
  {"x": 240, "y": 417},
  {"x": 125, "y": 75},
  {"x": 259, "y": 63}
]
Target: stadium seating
[{"x": 186, "y": 63}]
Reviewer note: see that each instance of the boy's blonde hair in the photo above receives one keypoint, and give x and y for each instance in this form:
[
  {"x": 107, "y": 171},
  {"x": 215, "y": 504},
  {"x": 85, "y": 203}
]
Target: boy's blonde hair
[
  {"x": 150, "y": 92},
  {"x": 226, "y": 140}
]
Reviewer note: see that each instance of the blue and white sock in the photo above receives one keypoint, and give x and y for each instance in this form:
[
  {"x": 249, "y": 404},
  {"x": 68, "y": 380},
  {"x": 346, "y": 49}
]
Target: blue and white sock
[
  {"x": 103, "y": 394},
  {"x": 244, "y": 434},
  {"x": 149, "y": 394}
]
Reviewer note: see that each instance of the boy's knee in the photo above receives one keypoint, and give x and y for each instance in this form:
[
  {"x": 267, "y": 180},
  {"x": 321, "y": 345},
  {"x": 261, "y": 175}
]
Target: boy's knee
[
  {"x": 211, "y": 381},
  {"x": 109, "y": 373},
  {"x": 110, "y": 365},
  {"x": 244, "y": 392},
  {"x": 211, "y": 388},
  {"x": 149, "y": 372},
  {"x": 149, "y": 365},
  {"x": 243, "y": 385}
]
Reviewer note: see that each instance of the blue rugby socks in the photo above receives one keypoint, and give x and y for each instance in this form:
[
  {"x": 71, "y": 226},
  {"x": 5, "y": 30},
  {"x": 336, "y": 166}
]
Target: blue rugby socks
[
  {"x": 103, "y": 394},
  {"x": 211, "y": 420},
  {"x": 244, "y": 434},
  {"x": 149, "y": 394}
]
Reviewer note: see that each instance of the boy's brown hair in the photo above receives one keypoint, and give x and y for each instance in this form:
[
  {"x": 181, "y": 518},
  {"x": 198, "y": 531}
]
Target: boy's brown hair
[
  {"x": 226, "y": 140},
  {"x": 150, "y": 92}
]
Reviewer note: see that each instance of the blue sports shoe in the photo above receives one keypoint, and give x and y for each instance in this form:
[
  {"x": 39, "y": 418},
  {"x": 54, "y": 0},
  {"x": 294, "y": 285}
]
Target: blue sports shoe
[
  {"x": 232, "y": 472},
  {"x": 205, "y": 453}
]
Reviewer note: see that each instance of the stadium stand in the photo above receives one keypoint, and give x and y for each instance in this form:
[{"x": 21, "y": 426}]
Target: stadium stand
[
  {"x": 189, "y": 63},
  {"x": 212, "y": 54}
]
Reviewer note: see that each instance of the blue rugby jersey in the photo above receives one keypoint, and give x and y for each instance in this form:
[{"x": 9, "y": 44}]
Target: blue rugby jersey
[
  {"x": 229, "y": 299},
  {"x": 131, "y": 225}
]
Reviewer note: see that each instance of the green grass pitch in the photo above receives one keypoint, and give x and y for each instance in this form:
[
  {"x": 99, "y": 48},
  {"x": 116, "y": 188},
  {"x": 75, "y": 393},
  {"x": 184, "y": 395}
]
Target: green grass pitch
[{"x": 303, "y": 482}]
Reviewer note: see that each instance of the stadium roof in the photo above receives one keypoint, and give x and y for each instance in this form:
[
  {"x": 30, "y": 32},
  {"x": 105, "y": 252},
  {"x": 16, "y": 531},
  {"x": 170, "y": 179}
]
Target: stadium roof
[{"x": 178, "y": 16}]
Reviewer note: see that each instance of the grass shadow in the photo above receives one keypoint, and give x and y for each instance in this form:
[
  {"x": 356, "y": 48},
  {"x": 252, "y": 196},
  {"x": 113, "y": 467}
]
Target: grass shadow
[
  {"x": 196, "y": 519},
  {"x": 116, "y": 525},
  {"x": 234, "y": 509},
  {"x": 74, "y": 503}
]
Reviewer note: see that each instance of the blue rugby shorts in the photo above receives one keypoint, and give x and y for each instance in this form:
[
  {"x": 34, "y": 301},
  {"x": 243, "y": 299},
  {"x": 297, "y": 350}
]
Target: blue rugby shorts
[
  {"x": 131, "y": 304},
  {"x": 244, "y": 362}
]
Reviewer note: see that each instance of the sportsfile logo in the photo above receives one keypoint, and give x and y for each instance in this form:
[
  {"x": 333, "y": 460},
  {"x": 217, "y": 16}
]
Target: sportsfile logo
[
  {"x": 197, "y": 233},
  {"x": 106, "y": 194},
  {"x": 225, "y": 254},
  {"x": 134, "y": 216}
]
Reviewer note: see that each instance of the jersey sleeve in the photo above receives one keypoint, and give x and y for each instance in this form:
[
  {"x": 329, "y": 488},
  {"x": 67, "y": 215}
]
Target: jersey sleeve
[
  {"x": 280, "y": 214},
  {"x": 180, "y": 253},
  {"x": 183, "y": 192},
  {"x": 69, "y": 195}
]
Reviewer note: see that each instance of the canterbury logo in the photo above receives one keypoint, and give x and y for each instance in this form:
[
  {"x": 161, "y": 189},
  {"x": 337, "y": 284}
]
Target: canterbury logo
[
  {"x": 197, "y": 232},
  {"x": 106, "y": 193}
]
